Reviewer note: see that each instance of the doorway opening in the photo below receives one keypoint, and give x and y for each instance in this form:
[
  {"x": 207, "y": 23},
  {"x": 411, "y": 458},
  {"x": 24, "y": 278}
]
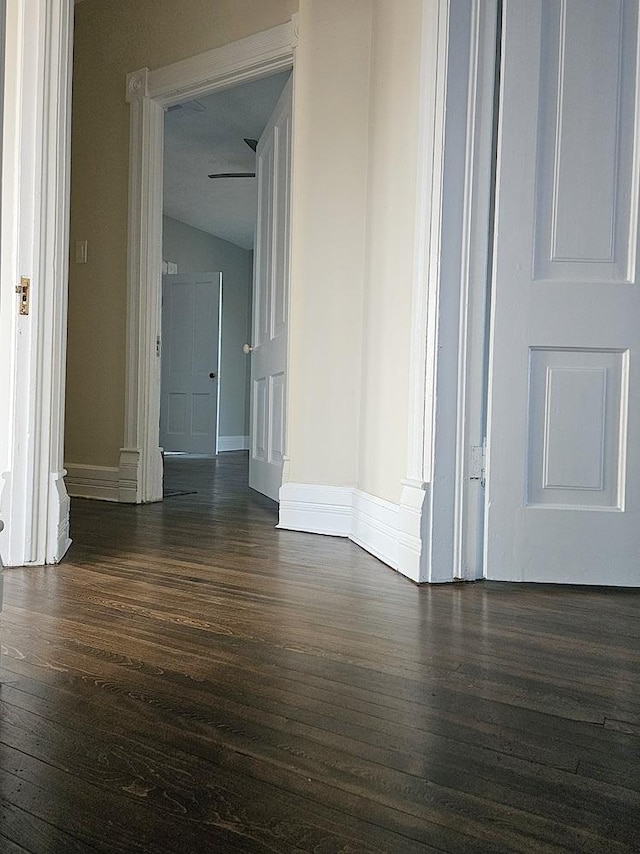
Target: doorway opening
[
  {"x": 209, "y": 225},
  {"x": 221, "y": 231},
  {"x": 149, "y": 95}
]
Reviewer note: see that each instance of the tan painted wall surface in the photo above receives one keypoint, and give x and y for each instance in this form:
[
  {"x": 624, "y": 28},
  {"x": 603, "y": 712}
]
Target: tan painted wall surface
[
  {"x": 331, "y": 103},
  {"x": 356, "y": 118},
  {"x": 112, "y": 38},
  {"x": 391, "y": 208}
]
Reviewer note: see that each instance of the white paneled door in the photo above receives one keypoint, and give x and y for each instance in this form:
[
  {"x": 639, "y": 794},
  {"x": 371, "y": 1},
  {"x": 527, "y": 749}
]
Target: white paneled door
[
  {"x": 563, "y": 489},
  {"x": 270, "y": 302},
  {"x": 190, "y": 344}
]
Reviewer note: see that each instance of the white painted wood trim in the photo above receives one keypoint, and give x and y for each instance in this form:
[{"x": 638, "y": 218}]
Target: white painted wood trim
[
  {"x": 129, "y": 476},
  {"x": 375, "y": 527},
  {"x": 58, "y": 77},
  {"x": 426, "y": 282},
  {"x": 58, "y": 539},
  {"x": 316, "y": 509},
  {"x": 475, "y": 274},
  {"x": 412, "y": 524},
  {"x": 233, "y": 443},
  {"x": 225, "y": 66},
  {"x": 433, "y": 75},
  {"x": 148, "y": 93},
  {"x": 389, "y": 531},
  {"x": 142, "y": 402},
  {"x": 100, "y": 482},
  {"x": 458, "y": 50},
  {"x": 35, "y": 221}
]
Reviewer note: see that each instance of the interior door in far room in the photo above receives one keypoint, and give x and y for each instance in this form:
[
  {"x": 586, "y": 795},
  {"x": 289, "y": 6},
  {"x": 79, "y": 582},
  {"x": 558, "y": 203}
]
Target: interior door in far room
[
  {"x": 270, "y": 302},
  {"x": 563, "y": 488},
  {"x": 189, "y": 369}
]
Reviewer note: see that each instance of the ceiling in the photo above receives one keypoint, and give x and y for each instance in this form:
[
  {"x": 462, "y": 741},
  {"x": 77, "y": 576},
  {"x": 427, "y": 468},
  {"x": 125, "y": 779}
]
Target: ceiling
[{"x": 206, "y": 136}]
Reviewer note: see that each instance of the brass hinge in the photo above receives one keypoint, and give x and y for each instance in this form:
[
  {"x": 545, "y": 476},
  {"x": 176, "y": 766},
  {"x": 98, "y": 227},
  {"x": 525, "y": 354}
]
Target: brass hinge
[{"x": 23, "y": 289}]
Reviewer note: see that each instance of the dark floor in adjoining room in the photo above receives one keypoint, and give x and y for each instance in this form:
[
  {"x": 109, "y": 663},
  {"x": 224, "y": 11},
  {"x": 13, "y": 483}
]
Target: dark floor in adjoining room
[{"x": 191, "y": 679}]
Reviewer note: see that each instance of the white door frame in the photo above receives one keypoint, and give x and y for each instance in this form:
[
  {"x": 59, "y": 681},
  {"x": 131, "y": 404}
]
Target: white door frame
[
  {"x": 441, "y": 510},
  {"x": 149, "y": 93},
  {"x": 35, "y": 239}
]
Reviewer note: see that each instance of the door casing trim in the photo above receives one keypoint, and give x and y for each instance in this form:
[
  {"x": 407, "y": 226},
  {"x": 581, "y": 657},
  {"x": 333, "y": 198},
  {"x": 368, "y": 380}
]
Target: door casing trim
[
  {"x": 439, "y": 503},
  {"x": 35, "y": 238},
  {"x": 148, "y": 94}
]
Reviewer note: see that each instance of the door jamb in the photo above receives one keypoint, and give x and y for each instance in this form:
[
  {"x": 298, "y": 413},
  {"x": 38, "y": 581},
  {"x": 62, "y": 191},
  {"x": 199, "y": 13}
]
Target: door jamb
[
  {"x": 441, "y": 506},
  {"x": 476, "y": 276},
  {"x": 35, "y": 241},
  {"x": 149, "y": 93}
]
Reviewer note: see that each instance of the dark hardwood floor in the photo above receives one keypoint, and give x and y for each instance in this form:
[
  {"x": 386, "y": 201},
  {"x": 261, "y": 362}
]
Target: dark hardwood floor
[{"x": 190, "y": 679}]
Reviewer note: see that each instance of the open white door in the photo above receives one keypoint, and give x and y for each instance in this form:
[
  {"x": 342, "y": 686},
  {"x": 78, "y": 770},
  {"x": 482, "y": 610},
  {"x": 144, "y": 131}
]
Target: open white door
[
  {"x": 270, "y": 302},
  {"x": 190, "y": 346},
  {"x": 563, "y": 490}
]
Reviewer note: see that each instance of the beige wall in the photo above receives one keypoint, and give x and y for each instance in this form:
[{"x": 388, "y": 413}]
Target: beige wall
[
  {"x": 112, "y": 38},
  {"x": 391, "y": 210},
  {"x": 331, "y": 115},
  {"x": 355, "y": 156},
  {"x": 353, "y": 219},
  {"x": 195, "y": 251}
]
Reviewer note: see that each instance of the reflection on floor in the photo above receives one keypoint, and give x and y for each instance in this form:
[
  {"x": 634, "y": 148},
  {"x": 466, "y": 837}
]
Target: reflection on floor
[{"x": 191, "y": 679}]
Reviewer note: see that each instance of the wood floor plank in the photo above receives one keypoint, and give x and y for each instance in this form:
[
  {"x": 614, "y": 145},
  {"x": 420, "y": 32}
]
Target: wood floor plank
[
  {"x": 601, "y": 815},
  {"x": 27, "y": 832},
  {"x": 191, "y": 671},
  {"x": 7, "y": 846},
  {"x": 371, "y": 727}
]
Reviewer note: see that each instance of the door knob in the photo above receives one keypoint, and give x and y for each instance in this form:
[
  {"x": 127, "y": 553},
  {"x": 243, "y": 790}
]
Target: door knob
[
  {"x": 246, "y": 349},
  {"x": 212, "y": 375}
]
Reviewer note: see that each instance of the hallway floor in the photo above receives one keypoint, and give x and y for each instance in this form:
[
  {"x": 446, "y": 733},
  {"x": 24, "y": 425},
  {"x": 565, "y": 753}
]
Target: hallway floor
[{"x": 191, "y": 679}]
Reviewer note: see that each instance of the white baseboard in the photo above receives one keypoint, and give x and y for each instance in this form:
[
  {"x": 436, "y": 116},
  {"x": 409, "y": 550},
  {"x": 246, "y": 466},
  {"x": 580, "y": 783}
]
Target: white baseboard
[
  {"x": 233, "y": 443},
  {"x": 391, "y": 532},
  {"x": 105, "y": 483},
  {"x": 414, "y": 506},
  {"x": 84, "y": 481},
  {"x": 374, "y": 526},
  {"x": 128, "y": 476},
  {"x": 58, "y": 540},
  {"x": 316, "y": 509}
]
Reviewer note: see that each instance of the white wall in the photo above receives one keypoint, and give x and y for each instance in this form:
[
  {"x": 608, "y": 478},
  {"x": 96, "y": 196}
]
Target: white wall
[
  {"x": 357, "y": 100},
  {"x": 195, "y": 251},
  {"x": 354, "y": 205},
  {"x": 331, "y": 116},
  {"x": 391, "y": 211}
]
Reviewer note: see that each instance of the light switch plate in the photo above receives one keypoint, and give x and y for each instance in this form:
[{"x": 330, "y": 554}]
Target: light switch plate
[{"x": 82, "y": 251}]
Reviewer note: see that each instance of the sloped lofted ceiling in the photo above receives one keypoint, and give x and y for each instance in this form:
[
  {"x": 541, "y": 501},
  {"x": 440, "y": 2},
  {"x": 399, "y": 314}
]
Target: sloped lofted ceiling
[{"x": 207, "y": 136}]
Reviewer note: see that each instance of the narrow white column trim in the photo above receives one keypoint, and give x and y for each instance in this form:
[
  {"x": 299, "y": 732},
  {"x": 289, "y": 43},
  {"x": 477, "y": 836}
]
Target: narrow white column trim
[
  {"x": 426, "y": 279},
  {"x": 35, "y": 209},
  {"x": 447, "y": 353}
]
